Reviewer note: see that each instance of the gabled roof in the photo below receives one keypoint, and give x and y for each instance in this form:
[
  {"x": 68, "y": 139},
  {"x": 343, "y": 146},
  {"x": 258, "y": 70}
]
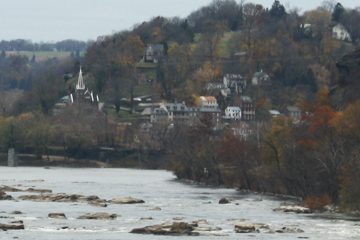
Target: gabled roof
[
  {"x": 293, "y": 109},
  {"x": 208, "y": 98},
  {"x": 175, "y": 106},
  {"x": 156, "y": 47},
  {"x": 234, "y": 108},
  {"x": 260, "y": 74},
  {"x": 208, "y": 110},
  {"x": 246, "y": 99},
  {"x": 274, "y": 112},
  {"x": 218, "y": 85},
  {"x": 234, "y": 76},
  {"x": 153, "y": 111}
]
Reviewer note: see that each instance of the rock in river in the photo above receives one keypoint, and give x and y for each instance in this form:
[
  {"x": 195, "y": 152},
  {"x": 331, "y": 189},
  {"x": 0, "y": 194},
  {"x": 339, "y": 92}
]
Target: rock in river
[
  {"x": 293, "y": 208},
  {"x": 290, "y": 230},
  {"x": 98, "y": 216},
  {"x": 61, "y": 197},
  {"x": 245, "y": 228},
  {"x": 223, "y": 201},
  {"x": 14, "y": 226},
  {"x": 57, "y": 215},
  {"x": 126, "y": 200},
  {"x": 4, "y": 196},
  {"x": 175, "y": 228}
]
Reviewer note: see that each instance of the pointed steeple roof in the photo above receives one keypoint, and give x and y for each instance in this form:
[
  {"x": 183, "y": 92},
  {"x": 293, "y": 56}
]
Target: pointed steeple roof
[{"x": 80, "y": 84}]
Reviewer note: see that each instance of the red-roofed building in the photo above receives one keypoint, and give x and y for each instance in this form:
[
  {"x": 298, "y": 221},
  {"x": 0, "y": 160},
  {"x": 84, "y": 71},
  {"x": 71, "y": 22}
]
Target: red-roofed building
[{"x": 208, "y": 102}]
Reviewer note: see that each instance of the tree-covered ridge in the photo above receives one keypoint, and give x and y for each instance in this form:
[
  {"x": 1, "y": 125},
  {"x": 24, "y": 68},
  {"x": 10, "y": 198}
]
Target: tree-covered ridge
[
  {"x": 69, "y": 45},
  {"x": 314, "y": 158}
]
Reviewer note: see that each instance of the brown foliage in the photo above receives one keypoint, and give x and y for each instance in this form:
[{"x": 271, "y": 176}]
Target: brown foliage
[{"x": 317, "y": 203}]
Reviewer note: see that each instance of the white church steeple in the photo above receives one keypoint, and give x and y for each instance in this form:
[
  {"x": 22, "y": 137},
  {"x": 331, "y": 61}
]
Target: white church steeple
[{"x": 80, "y": 84}]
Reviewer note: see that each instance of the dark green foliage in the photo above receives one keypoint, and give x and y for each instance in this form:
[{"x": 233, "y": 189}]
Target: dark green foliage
[
  {"x": 77, "y": 54},
  {"x": 33, "y": 59},
  {"x": 337, "y": 12},
  {"x": 277, "y": 11},
  {"x": 350, "y": 19}
]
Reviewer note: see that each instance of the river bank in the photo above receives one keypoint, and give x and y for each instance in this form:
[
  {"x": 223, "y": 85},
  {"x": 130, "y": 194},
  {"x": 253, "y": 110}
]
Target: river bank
[{"x": 28, "y": 160}]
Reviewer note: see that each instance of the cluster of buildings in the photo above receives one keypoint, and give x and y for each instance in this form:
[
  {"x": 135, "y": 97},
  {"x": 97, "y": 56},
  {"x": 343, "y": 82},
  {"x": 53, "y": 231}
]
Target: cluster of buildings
[
  {"x": 179, "y": 113},
  {"x": 81, "y": 95},
  {"x": 236, "y": 117}
]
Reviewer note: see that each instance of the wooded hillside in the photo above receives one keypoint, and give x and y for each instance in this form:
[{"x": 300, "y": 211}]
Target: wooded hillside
[{"x": 315, "y": 158}]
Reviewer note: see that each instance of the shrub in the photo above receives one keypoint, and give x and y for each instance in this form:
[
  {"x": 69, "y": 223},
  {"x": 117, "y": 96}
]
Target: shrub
[{"x": 318, "y": 203}]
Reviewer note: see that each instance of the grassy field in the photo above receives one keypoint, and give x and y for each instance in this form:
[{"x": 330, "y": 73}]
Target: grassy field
[
  {"x": 224, "y": 49},
  {"x": 145, "y": 65},
  {"x": 40, "y": 56}
]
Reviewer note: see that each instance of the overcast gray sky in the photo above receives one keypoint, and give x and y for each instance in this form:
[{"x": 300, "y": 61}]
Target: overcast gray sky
[{"x": 55, "y": 20}]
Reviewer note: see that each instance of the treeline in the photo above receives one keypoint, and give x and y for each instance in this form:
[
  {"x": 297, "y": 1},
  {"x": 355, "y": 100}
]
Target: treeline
[
  {"x": 69, "y": 45},
  {"x": 316, "y": 159},
  {"x": 296, "y": 50}
]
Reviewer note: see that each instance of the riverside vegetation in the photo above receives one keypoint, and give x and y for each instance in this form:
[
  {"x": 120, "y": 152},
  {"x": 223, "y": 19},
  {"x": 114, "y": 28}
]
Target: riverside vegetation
[{"x": 316, "y": 159}]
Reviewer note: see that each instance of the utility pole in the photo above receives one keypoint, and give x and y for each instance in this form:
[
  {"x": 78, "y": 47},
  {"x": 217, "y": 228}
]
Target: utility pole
[{"x": 138, "y": 143}]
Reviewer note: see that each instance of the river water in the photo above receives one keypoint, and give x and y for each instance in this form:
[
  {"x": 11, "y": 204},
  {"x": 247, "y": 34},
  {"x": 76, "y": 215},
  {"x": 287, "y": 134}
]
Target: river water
[{"x": 159, "y": 189}]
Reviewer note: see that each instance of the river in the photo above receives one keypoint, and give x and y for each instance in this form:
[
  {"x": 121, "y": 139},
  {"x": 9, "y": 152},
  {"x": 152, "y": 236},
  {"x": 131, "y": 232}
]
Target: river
[{"x": 159, "y": 189}]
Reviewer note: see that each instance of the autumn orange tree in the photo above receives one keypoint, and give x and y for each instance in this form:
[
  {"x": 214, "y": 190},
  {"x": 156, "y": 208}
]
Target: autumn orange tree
[
  {"x": 347, "y": 125},
  {"x": 325, "y": 148}
]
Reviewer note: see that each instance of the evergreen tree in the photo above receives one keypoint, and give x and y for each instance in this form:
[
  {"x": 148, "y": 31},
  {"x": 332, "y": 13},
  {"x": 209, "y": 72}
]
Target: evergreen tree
[
  {"x": 33, "y": 59},
  {"x": 3, "y": 54},
  {"x": 77, "y": 55},
  {"x": 311, "y": 79},
  {"x": 72, "y": 55},
  {"x": 277, "y": 11},
  {"x": 337, "y": 12}
]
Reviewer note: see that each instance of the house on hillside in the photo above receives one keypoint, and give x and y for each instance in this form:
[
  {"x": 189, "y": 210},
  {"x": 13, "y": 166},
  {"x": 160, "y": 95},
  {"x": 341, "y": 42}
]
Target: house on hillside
[
  {"x": 233, "y": 113},
  {"x": 240, "y": 129},
  {"x": 260, "y": 78},
  {"x": 339, "y": 32},
  {"x": 153, "y": 52},
  {"x": 292, "y": 111},
  {"x": 235, "y": 82},
  {"x": 155, "y": 115},
  {"x": 208, "y": 102},
  {"x": 274, "y": 113},
  {"x": 247, "y": 107},
  {"x": 215, "y": 86},
  {"x": 179, "y": 113}
]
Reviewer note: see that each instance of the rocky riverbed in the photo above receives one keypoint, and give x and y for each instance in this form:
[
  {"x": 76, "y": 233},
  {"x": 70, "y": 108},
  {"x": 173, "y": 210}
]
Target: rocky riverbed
[
  {"x": 135, "y": 204},
  {"x": 171, "y": 228}
]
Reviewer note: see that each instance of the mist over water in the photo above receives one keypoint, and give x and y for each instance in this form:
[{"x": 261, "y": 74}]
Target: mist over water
[{"x": 159, "y": 189}]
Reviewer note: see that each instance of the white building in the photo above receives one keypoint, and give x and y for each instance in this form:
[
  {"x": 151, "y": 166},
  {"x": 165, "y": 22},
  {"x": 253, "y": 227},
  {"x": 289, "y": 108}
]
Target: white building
[
  {"x": 274, "y": 113},
  {"x": 339, "y": 32},
  {"x": 260, "y": 78},
  {"x": 241, "y": 129},
  {"x": 233, "y": 113},
  {"x": 208, "y": 102},
  {"x": 235, "y": 82}
]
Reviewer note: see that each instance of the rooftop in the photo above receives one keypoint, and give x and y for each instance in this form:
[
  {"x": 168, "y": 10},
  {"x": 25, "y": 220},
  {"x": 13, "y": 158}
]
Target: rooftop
[
  {"x": 208, "y": 98},
  {"x": 246, "y": 99},
  {"x": 293, "y": 109}
]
